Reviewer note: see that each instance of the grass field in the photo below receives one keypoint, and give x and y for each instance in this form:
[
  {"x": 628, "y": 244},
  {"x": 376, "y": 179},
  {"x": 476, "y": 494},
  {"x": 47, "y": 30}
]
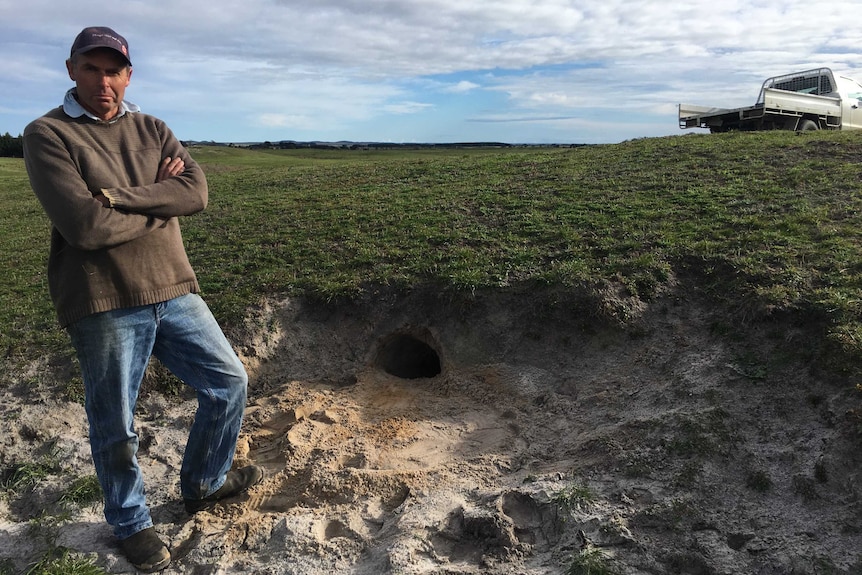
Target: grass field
[{"x": 770, "y": 221}]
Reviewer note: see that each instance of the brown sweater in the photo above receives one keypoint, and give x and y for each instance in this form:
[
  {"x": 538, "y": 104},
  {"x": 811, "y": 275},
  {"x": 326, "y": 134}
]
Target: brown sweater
[{"x": 127, "y": 255}]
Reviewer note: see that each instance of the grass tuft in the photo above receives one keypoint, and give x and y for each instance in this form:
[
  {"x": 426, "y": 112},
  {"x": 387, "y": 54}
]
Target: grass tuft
[
  {"x": 590, "y": 561},
  {"x": 573, "y": 497},
  {"x": 21, "y": 476},
  {"x": 61, "y": 561},
  {"x": 83, "y": 491}
]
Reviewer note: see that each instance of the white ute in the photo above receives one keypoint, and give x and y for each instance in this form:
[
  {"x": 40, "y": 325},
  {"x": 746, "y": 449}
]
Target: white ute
[{"x": 810, "y": 100}]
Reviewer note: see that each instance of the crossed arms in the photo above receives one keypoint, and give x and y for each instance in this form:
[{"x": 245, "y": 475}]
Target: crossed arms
[
  {"x": 168, "y": 168},
  {"x": 98, "y": 198}
]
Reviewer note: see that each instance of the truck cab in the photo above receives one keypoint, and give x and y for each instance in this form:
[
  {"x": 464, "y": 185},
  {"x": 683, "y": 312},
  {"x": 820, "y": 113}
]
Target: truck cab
[
  {"x": 822, "y": 82},
  {"x": 850, "y": 92}
]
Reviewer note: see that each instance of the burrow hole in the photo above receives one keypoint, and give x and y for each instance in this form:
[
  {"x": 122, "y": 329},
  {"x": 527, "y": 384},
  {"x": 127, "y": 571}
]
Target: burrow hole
[{"x": 407, "y": 356}]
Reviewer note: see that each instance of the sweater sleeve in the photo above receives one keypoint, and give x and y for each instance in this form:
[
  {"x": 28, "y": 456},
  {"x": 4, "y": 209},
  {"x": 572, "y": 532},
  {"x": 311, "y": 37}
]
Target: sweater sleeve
[
  {"x": 180, "y": 195},
  {"x": 71, "y": 206}
]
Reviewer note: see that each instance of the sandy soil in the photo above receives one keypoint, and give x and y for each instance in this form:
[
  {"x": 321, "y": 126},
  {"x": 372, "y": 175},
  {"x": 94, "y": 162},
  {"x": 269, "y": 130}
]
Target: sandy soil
[{"x": 670, "y": 445}]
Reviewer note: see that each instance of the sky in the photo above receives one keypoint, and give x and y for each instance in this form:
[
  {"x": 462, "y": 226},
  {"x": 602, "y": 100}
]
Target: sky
[{"x": 427, "y": 71}]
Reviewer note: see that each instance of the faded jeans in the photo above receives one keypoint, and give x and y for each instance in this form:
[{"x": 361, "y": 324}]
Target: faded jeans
[{"x": 114, "y": 349}]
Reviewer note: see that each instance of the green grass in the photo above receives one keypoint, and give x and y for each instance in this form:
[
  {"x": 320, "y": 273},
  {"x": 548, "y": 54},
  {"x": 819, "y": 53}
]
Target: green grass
[
  {"x": 15, "y": 481},
  {"x": 573, "y": 497},
  {"x": 27, "y": 323},
  {"x": 767, "y": 222},
  {"x": 64, "y": 562},
  {"x": 83, "y": 491},
  {"x": 22, "y": 476},
  {"x": 590, "y": 561}
]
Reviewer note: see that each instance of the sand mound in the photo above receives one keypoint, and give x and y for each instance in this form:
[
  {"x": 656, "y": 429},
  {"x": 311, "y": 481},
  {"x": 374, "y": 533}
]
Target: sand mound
[{"x": 507, "y": 433}]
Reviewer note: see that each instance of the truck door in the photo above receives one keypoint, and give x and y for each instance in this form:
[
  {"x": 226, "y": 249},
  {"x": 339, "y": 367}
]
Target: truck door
[
  {"x": 851, "y": 113},
  {"x": 851, "y": 105}
]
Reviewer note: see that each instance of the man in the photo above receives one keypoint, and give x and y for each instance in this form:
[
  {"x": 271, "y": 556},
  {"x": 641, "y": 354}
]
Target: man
[{"x": 113, "y": 182}]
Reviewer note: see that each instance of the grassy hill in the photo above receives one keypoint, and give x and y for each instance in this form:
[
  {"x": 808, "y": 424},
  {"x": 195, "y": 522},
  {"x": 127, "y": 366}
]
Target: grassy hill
[{"x": 770, "y": 221}]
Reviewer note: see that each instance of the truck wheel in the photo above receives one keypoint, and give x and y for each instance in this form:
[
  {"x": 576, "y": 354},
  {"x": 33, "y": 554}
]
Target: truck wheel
[{"x": 807, "y": 126}]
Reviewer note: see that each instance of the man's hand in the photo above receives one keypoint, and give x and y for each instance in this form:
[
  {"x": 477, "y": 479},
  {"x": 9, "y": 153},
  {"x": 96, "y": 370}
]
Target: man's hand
[{"x": 169, "y": 168}]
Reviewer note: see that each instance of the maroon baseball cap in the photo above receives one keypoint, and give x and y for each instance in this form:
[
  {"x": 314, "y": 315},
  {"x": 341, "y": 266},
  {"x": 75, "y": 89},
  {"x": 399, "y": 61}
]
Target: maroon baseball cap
[{"x": 100, "y": 37}]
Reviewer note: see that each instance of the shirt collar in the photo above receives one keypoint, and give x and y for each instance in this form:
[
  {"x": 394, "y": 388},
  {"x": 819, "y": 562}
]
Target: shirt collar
[{"x": 74, "y": 109}]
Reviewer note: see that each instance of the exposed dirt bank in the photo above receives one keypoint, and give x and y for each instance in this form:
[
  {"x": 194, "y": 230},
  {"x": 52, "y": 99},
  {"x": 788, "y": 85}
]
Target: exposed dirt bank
[{"x": 510, "y": 433}]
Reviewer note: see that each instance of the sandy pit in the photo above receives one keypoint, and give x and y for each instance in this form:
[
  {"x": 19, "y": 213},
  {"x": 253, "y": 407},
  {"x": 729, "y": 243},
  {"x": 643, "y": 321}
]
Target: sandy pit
[{"x": 513, "y": 432}]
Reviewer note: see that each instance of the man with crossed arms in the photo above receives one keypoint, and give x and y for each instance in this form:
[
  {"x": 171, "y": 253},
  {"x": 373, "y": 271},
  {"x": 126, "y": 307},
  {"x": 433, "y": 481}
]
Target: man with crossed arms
[{"x": 113, "y": 182}]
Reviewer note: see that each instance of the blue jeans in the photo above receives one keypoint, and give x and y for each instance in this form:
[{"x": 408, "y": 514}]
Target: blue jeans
[{"x": 114, "y": 349}]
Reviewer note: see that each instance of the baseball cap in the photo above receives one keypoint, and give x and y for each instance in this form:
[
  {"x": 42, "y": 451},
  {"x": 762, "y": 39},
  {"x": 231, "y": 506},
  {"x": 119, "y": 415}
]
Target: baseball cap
[{"x": 100, "y": 37}]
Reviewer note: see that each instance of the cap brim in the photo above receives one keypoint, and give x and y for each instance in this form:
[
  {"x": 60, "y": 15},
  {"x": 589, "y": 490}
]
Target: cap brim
[{"x": 86, "y": 49}]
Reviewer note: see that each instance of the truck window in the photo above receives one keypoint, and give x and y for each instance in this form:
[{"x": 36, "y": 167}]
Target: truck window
[{"x": 805, "y": 84}]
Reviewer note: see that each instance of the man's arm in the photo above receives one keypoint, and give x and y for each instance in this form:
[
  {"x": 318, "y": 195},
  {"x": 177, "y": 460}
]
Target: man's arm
[
  {"x": 168, "y": 168},
  {"x": 179, "y": 188},
  {"x": 72, "y": 208}
]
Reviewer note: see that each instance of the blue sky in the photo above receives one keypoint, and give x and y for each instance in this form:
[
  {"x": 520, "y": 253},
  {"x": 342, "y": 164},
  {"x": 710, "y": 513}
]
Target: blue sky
[{"x": 517, "y": 71}]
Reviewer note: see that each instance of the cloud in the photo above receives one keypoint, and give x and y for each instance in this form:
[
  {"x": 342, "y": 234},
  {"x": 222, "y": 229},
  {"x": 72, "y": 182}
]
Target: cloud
[
  {"x": 461, "y": 87},
  {"x": 407, "y": 107},
  {"x": 282, "y": 121}
]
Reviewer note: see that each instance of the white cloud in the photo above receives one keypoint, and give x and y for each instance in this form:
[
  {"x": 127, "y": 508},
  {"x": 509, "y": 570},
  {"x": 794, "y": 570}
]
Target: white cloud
[
  {"x": 461, "y": 87},
  {"x": 400, "y": 108},
  {"x": 283, "y": 121}
]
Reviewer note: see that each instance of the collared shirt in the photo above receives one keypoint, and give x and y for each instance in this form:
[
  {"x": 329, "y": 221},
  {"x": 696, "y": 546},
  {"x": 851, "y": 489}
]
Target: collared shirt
[{"x": 74, "y": 109}]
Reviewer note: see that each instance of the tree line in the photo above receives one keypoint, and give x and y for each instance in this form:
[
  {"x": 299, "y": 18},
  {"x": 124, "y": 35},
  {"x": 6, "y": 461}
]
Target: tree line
[{"x": 11, "y": 147}]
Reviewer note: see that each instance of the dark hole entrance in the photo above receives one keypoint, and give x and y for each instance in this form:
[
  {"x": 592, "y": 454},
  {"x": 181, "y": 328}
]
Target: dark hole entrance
[{"x": 405, "y": 356}]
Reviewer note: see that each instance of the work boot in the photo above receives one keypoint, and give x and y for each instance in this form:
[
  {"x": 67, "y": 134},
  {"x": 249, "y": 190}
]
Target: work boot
[
  {"x": 146, "y": 551},
  {"x": 238, "y": 481}
]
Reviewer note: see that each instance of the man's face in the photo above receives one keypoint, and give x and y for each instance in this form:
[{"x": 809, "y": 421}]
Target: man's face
[{"x": 101, "y": 76}]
